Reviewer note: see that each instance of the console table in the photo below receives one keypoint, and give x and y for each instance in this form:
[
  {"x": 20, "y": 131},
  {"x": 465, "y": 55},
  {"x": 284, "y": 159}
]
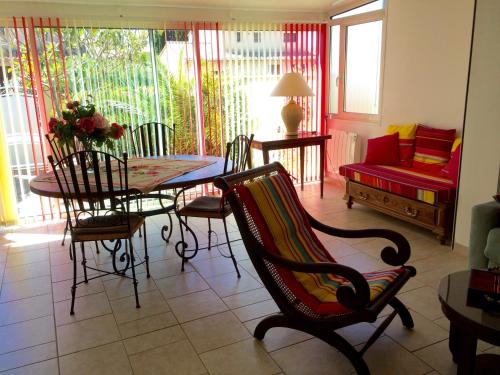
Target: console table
[
  {"x": 467, "y": 325},
  {"x": 302, "y": 140}
]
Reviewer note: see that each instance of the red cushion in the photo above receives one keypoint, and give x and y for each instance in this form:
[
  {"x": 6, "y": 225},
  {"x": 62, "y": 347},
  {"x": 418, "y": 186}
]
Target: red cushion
[
  {"x": 383, "y": 150},
  {"x": 432, "y": 148},
  {"x": 450, "y": 171},
  {"x": 406, "y": 151}
]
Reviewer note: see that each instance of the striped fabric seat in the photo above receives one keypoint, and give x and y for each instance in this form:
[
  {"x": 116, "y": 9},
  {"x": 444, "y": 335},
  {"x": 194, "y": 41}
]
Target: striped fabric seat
[{"x": 273, "y": 204}]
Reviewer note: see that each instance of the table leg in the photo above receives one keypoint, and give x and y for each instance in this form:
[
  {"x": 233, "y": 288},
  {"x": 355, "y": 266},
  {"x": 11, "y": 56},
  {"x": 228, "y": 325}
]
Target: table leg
[
  {"x": 302, "y": 168},
  {"x": 181, "y": 247},
  {"x": 265, "y": 155},
  {"x": 463, "y": 349},
  {"x": 467, "y": 354},
  {"x": 322, "y": 165},
  {"x": 454, "y": 342}
]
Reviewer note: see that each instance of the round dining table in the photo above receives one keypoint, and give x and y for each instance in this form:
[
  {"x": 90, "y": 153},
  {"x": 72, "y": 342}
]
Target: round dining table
[{"x": 46, "y": 185}]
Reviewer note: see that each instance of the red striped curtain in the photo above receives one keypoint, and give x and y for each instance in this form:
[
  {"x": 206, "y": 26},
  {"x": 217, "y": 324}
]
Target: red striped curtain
[{"x": 212, "y": 80}]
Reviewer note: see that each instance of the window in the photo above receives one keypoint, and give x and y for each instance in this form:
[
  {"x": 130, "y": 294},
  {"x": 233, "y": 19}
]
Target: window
[
  {"x": 256, "y": 37},
  {"x": 177, "y": 35},
  {"x": 355, "y": 62},
  {"x": 374, "y": 5}
]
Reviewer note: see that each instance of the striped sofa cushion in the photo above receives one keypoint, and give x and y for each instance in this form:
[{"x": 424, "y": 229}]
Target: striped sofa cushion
[
  {"x": 406, "y": 142},
  {"x": 284, "y": 228},
  {"x": 432, "y": 148}
]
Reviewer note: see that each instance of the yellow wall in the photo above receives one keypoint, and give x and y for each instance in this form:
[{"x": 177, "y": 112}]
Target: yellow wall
[{"x": 8, "y": 214}]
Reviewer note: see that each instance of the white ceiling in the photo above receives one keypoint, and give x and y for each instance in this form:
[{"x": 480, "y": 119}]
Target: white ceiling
[
  {"x": 284, "y": 5},
  {"x": 148, "y": 13}
]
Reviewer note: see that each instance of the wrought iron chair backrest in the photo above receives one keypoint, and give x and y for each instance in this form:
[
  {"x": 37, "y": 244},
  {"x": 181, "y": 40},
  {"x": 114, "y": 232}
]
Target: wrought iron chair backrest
[
  {"x": 61, "y": 150},
  {"x": 238, "y": 152},
  {"x": 153, "y": 139},
  {"x": 92, "y": 184}
]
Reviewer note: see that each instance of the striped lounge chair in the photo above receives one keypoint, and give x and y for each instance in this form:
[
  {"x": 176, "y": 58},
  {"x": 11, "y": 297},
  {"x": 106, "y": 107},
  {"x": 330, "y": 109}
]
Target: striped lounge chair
[{"x": 315, "y": 294}]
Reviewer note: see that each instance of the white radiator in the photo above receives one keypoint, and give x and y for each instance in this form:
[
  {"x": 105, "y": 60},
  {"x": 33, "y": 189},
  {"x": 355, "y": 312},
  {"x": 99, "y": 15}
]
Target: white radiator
[{"x": 343, "y": 148}]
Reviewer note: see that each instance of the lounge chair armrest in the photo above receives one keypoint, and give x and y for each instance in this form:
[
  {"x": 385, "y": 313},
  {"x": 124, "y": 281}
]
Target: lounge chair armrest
[
  {"x": 388, "y": 254},
  {"x": 356, "y": 297}
]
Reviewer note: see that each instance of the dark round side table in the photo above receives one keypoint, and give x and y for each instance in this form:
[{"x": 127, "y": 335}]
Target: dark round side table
[{"x": 467, "y": 325}]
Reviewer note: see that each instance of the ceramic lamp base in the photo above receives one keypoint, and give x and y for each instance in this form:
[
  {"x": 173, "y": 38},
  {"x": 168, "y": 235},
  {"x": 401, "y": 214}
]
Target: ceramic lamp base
[{"x": 292, "y": 116}]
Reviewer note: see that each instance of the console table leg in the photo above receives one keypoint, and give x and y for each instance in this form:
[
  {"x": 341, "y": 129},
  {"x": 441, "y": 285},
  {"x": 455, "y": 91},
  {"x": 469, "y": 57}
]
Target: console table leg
[
  {"x": 322, "y": 165},
  {"x": 265, "y": 155},
  {"x": 302, "y": 168}
]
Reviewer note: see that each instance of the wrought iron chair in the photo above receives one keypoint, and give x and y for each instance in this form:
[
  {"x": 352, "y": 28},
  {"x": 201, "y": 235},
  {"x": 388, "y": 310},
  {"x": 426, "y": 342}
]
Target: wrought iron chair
[
  {"x": 150, "y": 140},
  {"x": 211, "y": 207},
  {"x": 59, "y": 152},
  {"x": 96, "y": 197},
  {"x": 315, "y": 294}
]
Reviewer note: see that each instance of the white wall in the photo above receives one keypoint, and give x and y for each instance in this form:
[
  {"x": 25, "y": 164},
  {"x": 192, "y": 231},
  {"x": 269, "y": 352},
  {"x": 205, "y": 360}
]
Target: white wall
[
  {"x": 425, "y": 65},
  {"x": 481, "y": 148}
]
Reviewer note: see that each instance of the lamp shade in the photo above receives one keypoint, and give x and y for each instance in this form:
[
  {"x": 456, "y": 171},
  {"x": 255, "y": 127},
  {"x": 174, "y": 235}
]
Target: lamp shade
[{"x": 292, "y": 84}]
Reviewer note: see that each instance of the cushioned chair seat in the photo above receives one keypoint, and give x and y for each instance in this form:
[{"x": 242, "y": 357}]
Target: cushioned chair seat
[
  {"x": 285, "y": 230},
  {"x": 408, "y": 182},
  {"x": 206, "y": 205},
  {"x": 106, "y": 227}
]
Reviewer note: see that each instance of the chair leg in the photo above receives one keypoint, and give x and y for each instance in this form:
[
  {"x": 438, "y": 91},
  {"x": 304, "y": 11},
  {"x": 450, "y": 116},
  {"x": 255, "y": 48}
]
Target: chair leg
[
  {"x": 183, "y": 243},
  {"x": 146, "y": 256},
  {"x": 97, "y": 247},
  {"x": 271, "y": 321},
  {"x": 84, "y": 262},
  {"x": 403, "y": 312},
  {"x": 131, "y": 248},
  {"x": 73, "y": 287},
  {"x": 66, "y": 228},
  {"x": 209, "y": 235},
  {"x": 328, "y": 336},
  {"x": 230, "y": 249}
]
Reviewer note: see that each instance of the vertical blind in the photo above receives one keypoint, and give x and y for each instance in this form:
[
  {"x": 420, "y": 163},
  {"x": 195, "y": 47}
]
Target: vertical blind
[{"x": 211, "y": 80}]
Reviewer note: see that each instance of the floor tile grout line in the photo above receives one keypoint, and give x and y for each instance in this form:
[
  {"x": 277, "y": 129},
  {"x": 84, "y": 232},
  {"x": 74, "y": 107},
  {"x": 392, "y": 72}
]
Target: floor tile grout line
[
  {"x": 54, "y": 315},
  {"x": 24, "y": 298},
  {"x": 32, "y": 363},
  {"x": 178, "y": 323},
  {"x": 27, "y": 347},
  {"x": 26, "y": 320}
]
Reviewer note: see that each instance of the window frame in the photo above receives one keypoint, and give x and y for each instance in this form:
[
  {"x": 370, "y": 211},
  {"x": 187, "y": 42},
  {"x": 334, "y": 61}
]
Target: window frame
[{"x": 343, "y": 23}]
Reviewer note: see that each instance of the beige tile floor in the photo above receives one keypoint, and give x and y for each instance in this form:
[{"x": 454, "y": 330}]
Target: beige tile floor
[{"x": 201, "y": 321}]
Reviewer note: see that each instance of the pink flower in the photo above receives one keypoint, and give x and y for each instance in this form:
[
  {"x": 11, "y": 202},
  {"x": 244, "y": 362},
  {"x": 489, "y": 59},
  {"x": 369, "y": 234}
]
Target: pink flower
[
  {"x": 87, "y": 125},
  {"x": 70, "y": 105},
  {"x": 100, "y": 121},
  {"x": 117, "y": 130}
]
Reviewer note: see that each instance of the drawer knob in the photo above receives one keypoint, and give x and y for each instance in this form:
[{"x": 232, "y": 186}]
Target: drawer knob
[
  {"x": 412, "y": 212},
  {"x": 386, "y": 200},
  {"x": 363, "y": 196}
]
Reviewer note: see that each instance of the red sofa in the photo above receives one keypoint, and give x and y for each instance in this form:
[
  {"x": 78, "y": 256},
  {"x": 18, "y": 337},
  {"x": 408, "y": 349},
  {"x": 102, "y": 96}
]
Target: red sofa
[{"x": 422, "y": 197}]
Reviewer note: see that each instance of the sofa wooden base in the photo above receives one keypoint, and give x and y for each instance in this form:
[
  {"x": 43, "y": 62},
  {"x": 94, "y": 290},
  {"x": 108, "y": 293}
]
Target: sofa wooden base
[{"x": 434, "y": 217}]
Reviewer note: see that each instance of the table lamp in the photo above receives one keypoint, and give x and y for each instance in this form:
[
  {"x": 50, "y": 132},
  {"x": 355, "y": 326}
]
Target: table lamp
[{"x": 290, "y": 85}]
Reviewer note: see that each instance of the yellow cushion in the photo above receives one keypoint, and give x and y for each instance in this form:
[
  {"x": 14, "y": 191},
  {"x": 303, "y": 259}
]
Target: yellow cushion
[
  {"x": 406, "y": 131},
  {"x": 456, "y": 143}
]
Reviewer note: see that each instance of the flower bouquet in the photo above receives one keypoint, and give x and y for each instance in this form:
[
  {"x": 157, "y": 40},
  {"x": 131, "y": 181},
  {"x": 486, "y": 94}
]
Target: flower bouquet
[{"x": 85, "y": 124}]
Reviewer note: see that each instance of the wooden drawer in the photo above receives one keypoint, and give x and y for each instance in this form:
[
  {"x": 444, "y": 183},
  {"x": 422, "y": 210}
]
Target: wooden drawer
[{"x": 409, "y": 209}]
